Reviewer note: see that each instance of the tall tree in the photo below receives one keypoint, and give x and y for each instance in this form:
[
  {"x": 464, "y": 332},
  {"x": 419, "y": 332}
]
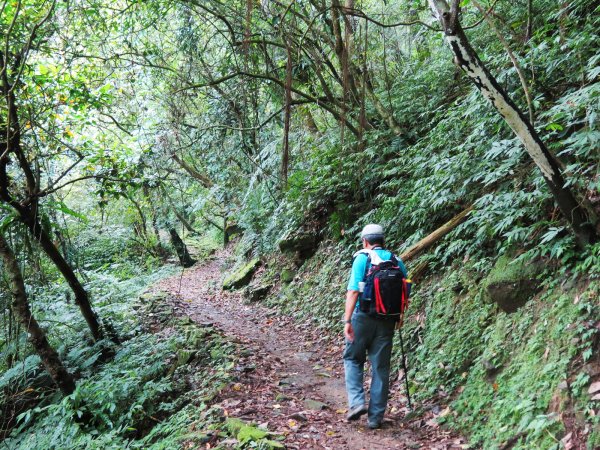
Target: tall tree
[
  {"x": 22, "y": 190},
  {"x": 468, "y": 60},
  {"x": 20, "y": 307}
]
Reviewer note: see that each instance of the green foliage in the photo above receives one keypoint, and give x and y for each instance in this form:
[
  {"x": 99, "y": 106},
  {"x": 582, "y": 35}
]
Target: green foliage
[
  {"x": 140, "y": 399},
  {"x": 158, "y": 79}
]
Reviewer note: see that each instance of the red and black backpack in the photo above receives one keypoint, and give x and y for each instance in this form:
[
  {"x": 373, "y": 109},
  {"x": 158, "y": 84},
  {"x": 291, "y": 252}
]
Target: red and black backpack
[{"x": 386, "y": 291}]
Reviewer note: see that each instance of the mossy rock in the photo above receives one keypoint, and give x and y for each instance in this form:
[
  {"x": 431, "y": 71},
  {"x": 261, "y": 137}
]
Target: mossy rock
[
  {"x": 241, "y": 277},
  {"x": 287, "y": 275},
  {"x": 234, "y": 424},
  {"x": 511, "y": 283},
  {"x": 257, "y": 293}
]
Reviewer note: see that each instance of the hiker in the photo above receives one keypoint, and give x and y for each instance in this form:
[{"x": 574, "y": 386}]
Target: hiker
[{"x": 367, "y": 333}]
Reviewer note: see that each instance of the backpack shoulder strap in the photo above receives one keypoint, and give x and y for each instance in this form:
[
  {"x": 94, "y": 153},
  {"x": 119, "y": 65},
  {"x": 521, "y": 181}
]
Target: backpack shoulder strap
[
  {"x": 364, "y": 251},
  {"x": 360, "y": 252},
  {"x": 373, "y": 256}
]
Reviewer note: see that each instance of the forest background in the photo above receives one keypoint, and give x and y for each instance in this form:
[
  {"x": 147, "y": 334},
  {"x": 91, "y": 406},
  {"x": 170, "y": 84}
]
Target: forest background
[{"x": 129, "y": 125}]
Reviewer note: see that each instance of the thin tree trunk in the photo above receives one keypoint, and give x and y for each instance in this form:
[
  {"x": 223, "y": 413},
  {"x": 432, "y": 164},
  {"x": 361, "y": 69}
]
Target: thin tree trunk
[
  {"x": 309, "y": 120},
  {"x": 529, "y": 27},
  {"x": 81, "y": 296},
  {"x": 20, "y": 307},
  {"x": 512, "y": 57},
  {"x": 436, "y": 235},
  {"x": 182, "y": 252},
  {"x": 29, "y": 214},
  {"x": 200, "y": 177},
  {"x": 468, "y": 60},
  {"x": 225, "y": 232},
  {"x": 153, "y": 215},
  {"x": 143, "y": 221},
  {"x": 285, "y": 157},
  {"x": 186, "y": 224}
]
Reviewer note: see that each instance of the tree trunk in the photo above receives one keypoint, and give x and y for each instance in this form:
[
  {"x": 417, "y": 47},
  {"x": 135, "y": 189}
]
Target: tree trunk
[
  {"x": 182, "y": 252},
  {"x": 467, "y": 59},
  {"x": 200, "y": 177},
  {"x": 81, "y": 296},
  {"x": 187, "y": 225},
  {"x": 225, "y": 232},
  {"x": 20, "y": 307},
  {"x": 435, "y": 236},
  {"x": 143, "y": 228},
  {"x": 287, "y": 117}
]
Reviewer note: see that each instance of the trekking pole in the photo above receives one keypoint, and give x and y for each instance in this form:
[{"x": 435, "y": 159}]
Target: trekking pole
[{"x": 404, "y": 367}]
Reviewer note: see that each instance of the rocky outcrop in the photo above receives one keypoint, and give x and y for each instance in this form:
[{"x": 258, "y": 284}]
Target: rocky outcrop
[
  {"x": 303, "y": 244},
  {"x": 512, "y": 283}
]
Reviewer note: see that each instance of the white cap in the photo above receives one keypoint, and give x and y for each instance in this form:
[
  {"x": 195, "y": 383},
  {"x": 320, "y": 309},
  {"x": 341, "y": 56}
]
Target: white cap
[{"x": 372, "y": 230}]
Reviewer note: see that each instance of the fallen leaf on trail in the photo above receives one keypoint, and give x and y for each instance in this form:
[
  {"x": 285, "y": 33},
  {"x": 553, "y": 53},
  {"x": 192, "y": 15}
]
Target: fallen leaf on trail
[
  {"x": 237, "y": 387},
  {"x": 330, "y": 433},
  {"x": 293, "y": 425},
  {"x": 341, "y": 411}
]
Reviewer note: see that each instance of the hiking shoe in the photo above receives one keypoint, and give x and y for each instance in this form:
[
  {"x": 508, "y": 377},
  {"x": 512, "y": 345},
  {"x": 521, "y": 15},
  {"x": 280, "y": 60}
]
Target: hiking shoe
[
  {"x": 373, "y": 425},
  {"x": 356, "y": 412}
]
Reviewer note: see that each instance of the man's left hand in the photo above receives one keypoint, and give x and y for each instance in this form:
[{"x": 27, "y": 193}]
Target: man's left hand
[{"x": 349, "y": 332}]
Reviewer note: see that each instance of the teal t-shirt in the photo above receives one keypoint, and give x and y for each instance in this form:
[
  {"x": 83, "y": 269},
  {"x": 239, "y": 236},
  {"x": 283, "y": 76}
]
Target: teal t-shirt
[{"x": 359, "y": 267}]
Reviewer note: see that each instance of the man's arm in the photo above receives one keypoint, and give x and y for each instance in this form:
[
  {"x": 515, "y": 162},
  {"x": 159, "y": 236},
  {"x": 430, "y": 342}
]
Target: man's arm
[
  {"x": 357, "y": 275},
  {"x": 351, "y": 299}
]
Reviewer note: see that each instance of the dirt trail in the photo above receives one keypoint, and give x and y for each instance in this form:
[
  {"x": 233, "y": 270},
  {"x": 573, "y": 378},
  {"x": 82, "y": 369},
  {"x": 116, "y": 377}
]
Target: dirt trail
[{"x": 289, "y": 377}]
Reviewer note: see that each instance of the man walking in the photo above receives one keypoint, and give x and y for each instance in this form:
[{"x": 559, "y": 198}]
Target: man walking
[{"x": 366, "y": 334}]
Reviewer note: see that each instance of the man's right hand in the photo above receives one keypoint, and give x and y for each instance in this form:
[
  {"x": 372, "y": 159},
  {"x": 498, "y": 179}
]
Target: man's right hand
[{"x": 349, "y": 332}]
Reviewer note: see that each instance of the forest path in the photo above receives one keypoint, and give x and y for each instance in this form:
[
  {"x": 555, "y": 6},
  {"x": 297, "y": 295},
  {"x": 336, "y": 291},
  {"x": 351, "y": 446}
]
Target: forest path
[{"x": 290, "y": 377}]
